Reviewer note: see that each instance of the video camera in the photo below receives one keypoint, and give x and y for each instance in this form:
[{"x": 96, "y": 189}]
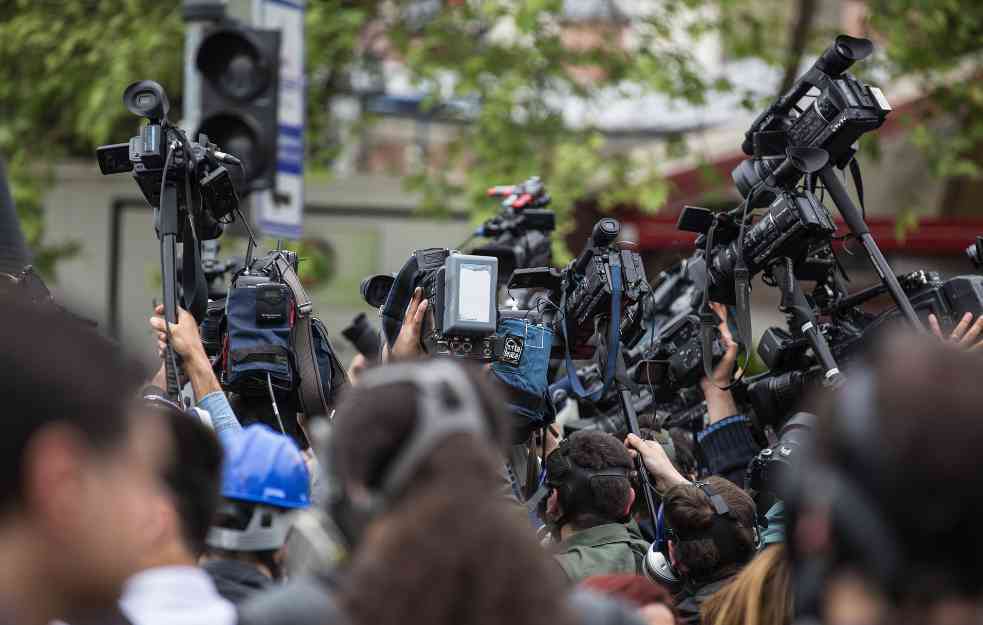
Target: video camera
[
  {"x": 520, "y": 233},
  {"x": 204, "y": 192},
  {"x": 190, "y": 190},
  {"x": 844, "y": 109},
  {"x": 795, "y": 223}
]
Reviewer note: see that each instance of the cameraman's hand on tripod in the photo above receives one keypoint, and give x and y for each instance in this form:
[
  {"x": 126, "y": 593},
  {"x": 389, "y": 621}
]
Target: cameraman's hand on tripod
[
  {"x": 964, "y": 334},
  {"x": 407, "y": 345},
  {"x": 720, "y": 403},
  {"x": 656, "y": 462},
  {"x": 187, "y": 344}
]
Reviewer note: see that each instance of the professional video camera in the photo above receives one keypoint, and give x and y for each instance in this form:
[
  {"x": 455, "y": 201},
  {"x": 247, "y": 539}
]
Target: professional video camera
[
  {"x": 793, "y": 369},
  {"x": 190, "y": 190},
  {"x": 604, "y": 280},
  {"x": 795, "y": 224},
  {"x": 844, "y": 109},
  {"x": 520, "y": 233},
  {"x": 163, "y": 160}
]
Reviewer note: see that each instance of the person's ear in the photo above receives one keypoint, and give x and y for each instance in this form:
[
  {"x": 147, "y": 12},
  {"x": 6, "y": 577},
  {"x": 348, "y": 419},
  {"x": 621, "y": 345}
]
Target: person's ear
[
  {"x": 54, "y": 484},
  {"x": 631, "y": 501}
]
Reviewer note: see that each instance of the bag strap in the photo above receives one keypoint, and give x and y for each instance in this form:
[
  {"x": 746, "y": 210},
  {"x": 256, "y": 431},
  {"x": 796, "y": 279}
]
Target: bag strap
[
  {"x": 301, "y": 299},
  {"x": 313, "y": 401}
]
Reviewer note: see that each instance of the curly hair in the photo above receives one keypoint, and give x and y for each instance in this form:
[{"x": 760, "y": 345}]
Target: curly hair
[
  {"x": 688, "y": 510},
  {"x": 609, "y": 496},
  {"x": 449, "y": 550}
]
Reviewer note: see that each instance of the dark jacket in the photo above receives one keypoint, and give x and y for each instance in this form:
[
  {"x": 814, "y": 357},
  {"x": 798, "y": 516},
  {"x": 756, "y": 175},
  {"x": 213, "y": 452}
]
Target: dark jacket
[
  {"x": 692, "y": 597},
  {"x": 304, "y": 600},
  {"x": 728, "y": 447},
  {"x": 310, "y": 600},
  {"x": 236, "y": 581},
  {"x": 601, "y": 550}
]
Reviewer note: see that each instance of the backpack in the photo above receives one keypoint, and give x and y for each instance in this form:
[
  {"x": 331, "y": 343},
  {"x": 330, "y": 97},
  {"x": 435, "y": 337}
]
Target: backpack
[{"x": 273, "y": 342}]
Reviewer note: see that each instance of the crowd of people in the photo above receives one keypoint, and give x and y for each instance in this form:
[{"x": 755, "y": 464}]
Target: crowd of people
[{"x": 123, "y": 506}]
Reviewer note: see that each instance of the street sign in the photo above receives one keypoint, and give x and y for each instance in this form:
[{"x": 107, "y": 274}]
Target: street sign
[{"x": 280, "y": 213}]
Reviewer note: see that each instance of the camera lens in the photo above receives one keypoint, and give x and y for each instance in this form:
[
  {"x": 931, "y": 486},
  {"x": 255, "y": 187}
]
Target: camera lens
[{"x": 751, "y": 173}]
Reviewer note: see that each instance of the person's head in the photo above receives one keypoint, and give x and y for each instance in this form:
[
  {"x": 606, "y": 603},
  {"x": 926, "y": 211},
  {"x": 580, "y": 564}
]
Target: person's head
[
  {"x": 761, "y": 594},
  {"x": 264, "y": 479},
  {"x": 259, "y": 409},
  {"x": 78, "y": 470},
  {"x": 653, "y": 601},
  {"x": 710, "y": 526},
  {"x": 685, "y": 460},
  {"x": 887, "y": 513},
  {"x": 189, "y": 498},
  {"x": 590, "y": 476},
  {"x": 416, "y": 457}
]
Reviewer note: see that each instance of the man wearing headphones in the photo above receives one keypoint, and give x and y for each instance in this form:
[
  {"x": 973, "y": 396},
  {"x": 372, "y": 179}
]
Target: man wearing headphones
[
  {"x": 707, "y": 530},
  {"x": 264, "y": 480},
  {"x": 589, "y": 505}
]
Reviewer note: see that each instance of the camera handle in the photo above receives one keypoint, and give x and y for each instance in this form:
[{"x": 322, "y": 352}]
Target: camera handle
[
  {"x": 855, "y": 221},
  {"x": 803, "y": 319},
  {"x": 631, "y": 416},
  {"x": 168, "y": 250}
]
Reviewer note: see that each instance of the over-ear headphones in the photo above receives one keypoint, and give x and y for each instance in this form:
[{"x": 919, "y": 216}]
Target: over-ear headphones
[
  {"x": 447, "y": 404},
  {"x": 658, "y": 566},
  {"x": 574, "y": 482}
]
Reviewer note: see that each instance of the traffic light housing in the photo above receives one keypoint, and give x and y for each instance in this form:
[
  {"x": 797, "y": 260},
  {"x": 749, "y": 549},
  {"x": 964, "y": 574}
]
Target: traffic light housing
[{"x": 240, "y": 69}]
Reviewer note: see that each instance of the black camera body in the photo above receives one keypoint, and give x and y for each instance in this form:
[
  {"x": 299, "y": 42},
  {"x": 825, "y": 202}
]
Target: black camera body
[
  {"x": 795, "y": 223},
  {"x": 841, "y": 113},
  {"x": 677, "y": 357},
  {"x": 202, "y": 185},
  {"x": 520, "y": 233},
  {"x": 588, "y": 288},
  {"x": 948, "y": 300}
]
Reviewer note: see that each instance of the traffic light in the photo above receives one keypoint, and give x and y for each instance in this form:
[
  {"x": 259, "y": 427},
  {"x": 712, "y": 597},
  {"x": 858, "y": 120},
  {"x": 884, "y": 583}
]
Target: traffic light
[{"x": 239, "y": 68}]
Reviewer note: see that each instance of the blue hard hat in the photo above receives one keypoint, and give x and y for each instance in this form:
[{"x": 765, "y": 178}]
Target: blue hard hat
[{"x": 265, "y": 467}]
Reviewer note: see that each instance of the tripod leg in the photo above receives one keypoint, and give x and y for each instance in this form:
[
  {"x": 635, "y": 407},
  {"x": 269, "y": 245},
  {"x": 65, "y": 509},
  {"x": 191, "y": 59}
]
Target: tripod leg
[{"x": 855, "y": 221}]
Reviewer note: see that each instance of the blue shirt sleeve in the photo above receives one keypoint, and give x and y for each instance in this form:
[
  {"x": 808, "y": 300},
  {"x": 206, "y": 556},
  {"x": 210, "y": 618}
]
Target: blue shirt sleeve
[{"x": 224, "y": 421}]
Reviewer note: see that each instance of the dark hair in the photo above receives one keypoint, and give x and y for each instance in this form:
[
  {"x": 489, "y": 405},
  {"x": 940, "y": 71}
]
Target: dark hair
[
  {"x": 56, "y": 370},
  {"x": 194, "y": 475},
  {"x": 609, "y": 496},
  {"x": 688, "y": 510},
  {"x": 908, "y": 445},
  {"x": 250, "y": 410},
  {"x": 634, "y": 589},
  {"x": 685, "y": 461},
  {"x": 450, "y": 536}
]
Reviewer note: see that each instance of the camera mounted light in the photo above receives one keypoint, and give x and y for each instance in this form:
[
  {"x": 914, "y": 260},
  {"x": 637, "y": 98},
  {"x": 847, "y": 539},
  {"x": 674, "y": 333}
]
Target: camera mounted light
[
  {"x": 844, "y": 52},
  {"x": 146, "y": 98}
]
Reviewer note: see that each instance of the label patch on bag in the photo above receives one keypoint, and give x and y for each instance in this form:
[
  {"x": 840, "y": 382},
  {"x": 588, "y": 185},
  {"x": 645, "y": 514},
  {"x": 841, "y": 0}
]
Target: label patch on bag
[{"x": 512, "y": 351}]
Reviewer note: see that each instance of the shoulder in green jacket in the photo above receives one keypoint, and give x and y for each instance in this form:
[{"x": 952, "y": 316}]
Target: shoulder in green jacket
[{"x": 600, "y": 550}]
